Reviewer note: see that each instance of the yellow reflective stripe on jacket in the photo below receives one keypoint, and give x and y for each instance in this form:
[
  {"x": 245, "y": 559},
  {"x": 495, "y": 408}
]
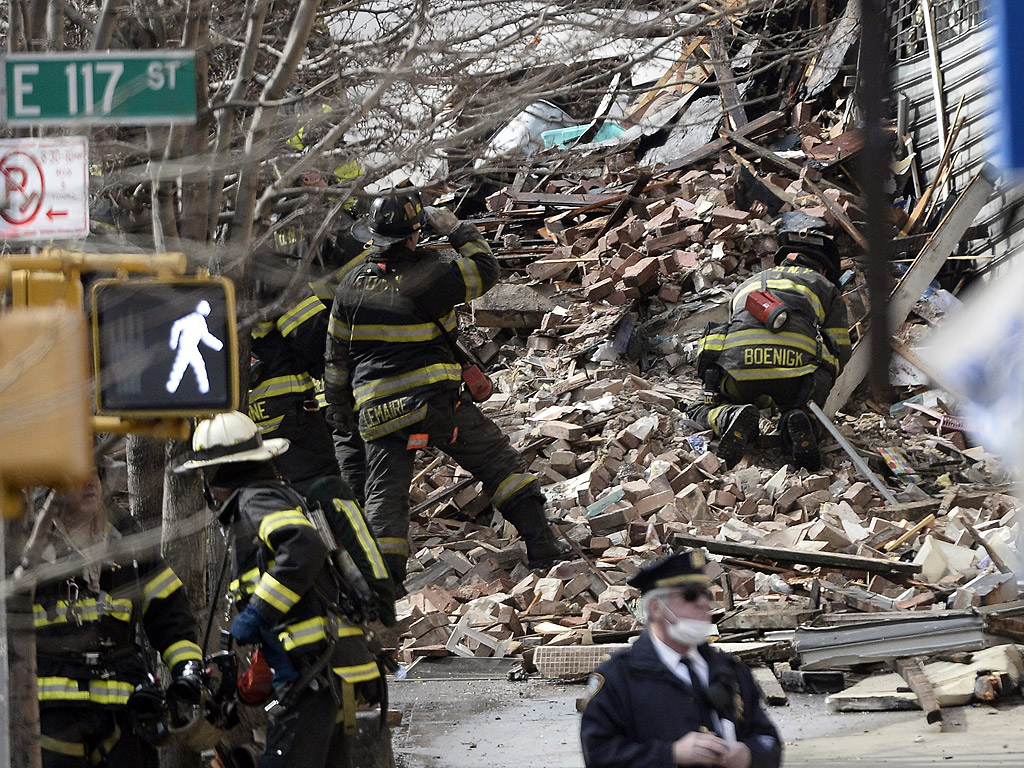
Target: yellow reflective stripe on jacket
[
  {"x": 268, "y": 426},
  {"x": 358, "y": 673},
  {"x": 357, "y": 522},
  {"x": 299, "y": 314},
  {"x": 510, "y": 486},
  {"x": 281, "y": 385},
  {"x": 404, "y": 382},
  {"x": 387, "y": 427},
  {"x": 312, "y": 631},
  {"x": 262, "y": 328},
  {"x": 99, "y": 691},
  {"x": 472, "y": 278},
  {"x": 392, "y": 545},
  {"x": 247, "y": 582},
  {"x": 162, "y": 585},
  {"x": 384, "y": 332},
  {"x": 110, "y": 691},
  {"x": 183, "y": 650},
  {"x": 59, "y": 689},
  {"x": 88, "y": 609},
  {"x": 282, "y": 519},
  {"x": 273, "y": 592},
  {"x": 840, "y": 336},
  {"x": 713, "y": 342},
  {"x": 781, "y": 284},
  {"x": 754, "y": 336},
  {"x": 771, "y": 374}
]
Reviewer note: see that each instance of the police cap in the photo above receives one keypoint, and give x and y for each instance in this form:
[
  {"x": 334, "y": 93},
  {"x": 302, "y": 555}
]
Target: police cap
[{"x": 683, "y": 569}]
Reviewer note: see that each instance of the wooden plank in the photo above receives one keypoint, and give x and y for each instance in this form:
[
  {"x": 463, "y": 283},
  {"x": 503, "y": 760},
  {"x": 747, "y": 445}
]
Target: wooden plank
[
  {"x": 912, "y": 670},
  {"x": 773, "y": 694},
  {"x": 924, "y": 269},
  {"x": 570, "y": 200},
  {"x": 726, "y": 80},
  {"x": 782, "y": 555}
]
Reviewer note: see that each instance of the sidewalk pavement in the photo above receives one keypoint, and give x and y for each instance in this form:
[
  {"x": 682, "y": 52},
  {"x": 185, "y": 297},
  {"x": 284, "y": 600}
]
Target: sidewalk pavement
[{"x": 488, "y": 723}]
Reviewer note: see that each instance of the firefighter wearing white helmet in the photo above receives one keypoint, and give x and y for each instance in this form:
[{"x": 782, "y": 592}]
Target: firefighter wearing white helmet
[{"x": 286, "y": 593}]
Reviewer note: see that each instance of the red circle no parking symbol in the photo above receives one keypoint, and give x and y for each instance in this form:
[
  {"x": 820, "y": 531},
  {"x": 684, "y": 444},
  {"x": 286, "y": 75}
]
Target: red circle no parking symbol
[{"x": 24, "y": 185}]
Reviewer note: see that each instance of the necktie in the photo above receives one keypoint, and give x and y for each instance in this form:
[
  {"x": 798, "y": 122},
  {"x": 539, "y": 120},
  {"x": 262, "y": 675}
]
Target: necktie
[
  {"x": 695, "y": 679},
  {"x": 698, "y": 691}
]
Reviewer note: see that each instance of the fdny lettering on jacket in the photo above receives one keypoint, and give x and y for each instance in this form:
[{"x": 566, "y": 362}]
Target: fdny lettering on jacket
[{"x": 374, "y": 282}]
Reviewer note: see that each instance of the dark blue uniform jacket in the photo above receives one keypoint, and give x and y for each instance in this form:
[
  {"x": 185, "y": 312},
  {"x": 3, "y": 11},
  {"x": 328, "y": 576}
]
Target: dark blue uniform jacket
[{"x": 639, "y": 708}]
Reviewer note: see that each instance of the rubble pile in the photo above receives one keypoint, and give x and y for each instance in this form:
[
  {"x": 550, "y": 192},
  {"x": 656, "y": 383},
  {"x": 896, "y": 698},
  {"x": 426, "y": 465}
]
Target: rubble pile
[{"x": 609, "y": 279}]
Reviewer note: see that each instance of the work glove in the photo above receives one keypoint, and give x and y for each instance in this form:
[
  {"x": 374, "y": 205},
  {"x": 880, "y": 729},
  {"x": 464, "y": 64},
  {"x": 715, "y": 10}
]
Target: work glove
[
  {"x": 247, "y": 625},
  {"x": 441, "y": 220},
  {"x": 277, "y": 658},
  {"x": 341, "y": 418}
]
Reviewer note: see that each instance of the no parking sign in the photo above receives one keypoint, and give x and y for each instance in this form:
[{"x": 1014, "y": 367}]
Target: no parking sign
[{"x": 44, "y": 188}]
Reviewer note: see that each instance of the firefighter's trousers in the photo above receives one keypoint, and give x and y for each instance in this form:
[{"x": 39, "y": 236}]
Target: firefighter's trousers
[
  {"x": 90, "y": 736},
  {"x": 458, "y": 428}
]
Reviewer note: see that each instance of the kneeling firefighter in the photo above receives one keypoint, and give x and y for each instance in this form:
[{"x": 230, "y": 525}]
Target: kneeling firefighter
[
  {"x": 288, "y": 592},
  {"x": 785, "y": 344}
]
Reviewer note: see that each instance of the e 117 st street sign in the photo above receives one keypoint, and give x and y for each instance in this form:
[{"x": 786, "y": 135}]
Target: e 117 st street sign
[
  {"x": 111, "y": 88},
  {"x": 44, "y": 188}
]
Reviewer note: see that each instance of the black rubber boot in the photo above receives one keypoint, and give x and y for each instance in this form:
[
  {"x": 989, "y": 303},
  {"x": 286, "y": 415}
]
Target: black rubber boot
[
  {"x": 545, "y": 550},
  {"x": 542, "y": 548},
  {"x": 738, "y": 429},
  {"x": 798, "y": 433}
]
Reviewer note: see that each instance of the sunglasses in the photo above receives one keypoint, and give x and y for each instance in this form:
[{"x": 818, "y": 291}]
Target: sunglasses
[{"x": 694, "y": 594}]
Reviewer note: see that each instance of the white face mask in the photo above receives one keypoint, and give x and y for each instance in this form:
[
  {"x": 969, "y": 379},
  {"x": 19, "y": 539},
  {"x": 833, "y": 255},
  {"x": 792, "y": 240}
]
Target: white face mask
[{"x": 691, "y": 632}]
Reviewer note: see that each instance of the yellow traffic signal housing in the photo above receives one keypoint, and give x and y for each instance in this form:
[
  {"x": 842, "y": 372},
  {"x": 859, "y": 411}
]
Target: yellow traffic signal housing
[
  {"x": 45, "y": 428},
  {"x": 165, "y": 347},
  {"x": 45, "y": 289}
]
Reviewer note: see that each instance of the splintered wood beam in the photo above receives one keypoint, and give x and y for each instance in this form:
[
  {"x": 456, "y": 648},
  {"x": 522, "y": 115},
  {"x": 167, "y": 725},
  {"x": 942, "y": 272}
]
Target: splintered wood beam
[
  {"x": 924, "y": 269},
  {"x": 912, "y": 670}
]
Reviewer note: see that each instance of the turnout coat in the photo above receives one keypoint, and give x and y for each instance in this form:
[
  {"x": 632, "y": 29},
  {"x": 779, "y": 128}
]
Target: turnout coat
[{"x": 638, "y": 708}]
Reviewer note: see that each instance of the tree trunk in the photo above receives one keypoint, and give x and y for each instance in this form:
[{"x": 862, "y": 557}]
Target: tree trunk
[{"x": 145, "y": 457}]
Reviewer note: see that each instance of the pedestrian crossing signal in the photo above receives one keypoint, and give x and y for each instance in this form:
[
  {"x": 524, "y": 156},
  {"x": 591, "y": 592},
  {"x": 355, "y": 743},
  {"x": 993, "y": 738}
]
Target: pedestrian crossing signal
[{"x": 165, "y": 347}]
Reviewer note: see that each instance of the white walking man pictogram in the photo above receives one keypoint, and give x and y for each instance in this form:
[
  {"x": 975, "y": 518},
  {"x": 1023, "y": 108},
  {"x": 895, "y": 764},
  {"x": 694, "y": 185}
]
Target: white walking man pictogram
[{"x": 187, "y": 334}]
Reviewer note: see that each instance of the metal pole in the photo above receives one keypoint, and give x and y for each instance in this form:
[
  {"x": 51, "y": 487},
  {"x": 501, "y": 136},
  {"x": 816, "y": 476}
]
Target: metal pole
[
  {"x": 874, "y": 88},
  {"x": 5, "y": 676}
]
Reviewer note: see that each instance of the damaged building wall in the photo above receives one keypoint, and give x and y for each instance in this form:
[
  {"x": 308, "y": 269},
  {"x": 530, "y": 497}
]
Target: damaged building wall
[{"x": 964, "y": 42}]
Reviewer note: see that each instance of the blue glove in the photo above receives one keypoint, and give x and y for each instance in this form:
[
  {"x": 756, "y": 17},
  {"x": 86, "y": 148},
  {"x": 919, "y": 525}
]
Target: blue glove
[
  {"x": 247, "y": 625},
  {"x": 277, "y": 658}
]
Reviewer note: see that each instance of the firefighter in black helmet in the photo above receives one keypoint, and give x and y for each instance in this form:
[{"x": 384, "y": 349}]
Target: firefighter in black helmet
[
  {"x": 392, "y": 373},
  {"x": 785, "y": 344}
]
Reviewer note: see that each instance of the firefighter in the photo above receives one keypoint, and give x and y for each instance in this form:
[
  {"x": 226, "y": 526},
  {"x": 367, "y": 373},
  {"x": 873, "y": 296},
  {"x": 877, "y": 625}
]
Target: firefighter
[
  {"x": 287, "y": 593},
  {"x": 786, "y": 342},
  {"x": 94, "y": 679},
  {"x": 392, "y": 374},
  {"x": 287, "y": 345}
]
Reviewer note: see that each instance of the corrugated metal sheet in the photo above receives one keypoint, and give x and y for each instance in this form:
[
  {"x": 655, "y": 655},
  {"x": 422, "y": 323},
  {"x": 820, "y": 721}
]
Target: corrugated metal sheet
[{"x": 966, "y": 64}]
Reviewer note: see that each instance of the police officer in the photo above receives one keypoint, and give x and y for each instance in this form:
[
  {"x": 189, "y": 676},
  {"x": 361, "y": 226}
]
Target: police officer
[
  {"x": 287, "y": 593},
  {"x": 786, "y": 342},
  {"x": 91, "y": 672},
  {"x": 392, "y": 374},
  {"x": 672, "y": 699}
]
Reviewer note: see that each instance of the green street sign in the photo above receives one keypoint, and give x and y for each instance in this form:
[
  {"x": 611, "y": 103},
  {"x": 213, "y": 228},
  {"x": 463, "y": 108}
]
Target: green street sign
[{"x": 109, "y": 88}]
